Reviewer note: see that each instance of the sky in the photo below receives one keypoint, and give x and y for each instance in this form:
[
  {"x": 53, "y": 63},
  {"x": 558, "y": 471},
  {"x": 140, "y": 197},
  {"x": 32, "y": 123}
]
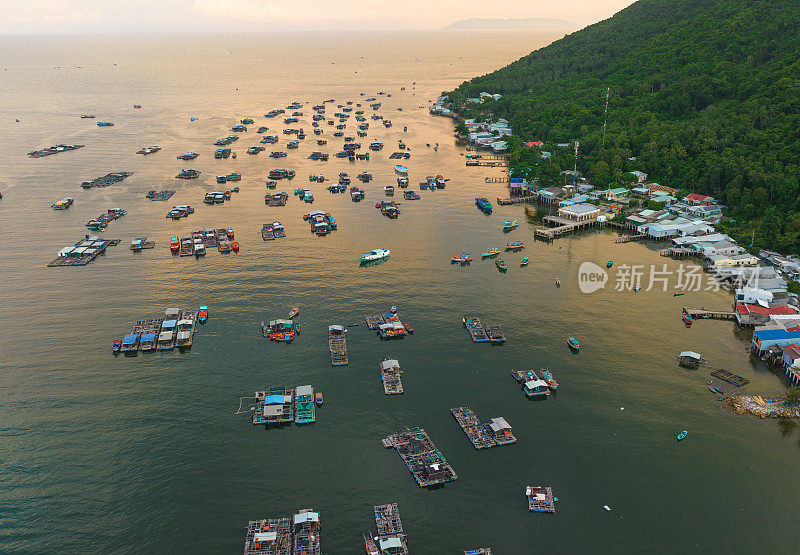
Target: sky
[{"x": 132, "y": 16}]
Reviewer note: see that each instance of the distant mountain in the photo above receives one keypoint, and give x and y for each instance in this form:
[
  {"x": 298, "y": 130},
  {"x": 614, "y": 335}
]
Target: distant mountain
[
  {"x": 532, "y": 24},
  {"x": 704, "y": 96}
]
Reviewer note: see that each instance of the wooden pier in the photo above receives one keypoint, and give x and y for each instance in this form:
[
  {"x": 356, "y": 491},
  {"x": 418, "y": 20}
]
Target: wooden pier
[
  {"x": 697, "y": 313},
  {"x": 390, "y": 376},
  {"x": 562, "y": 227},
  {"x": 389, "y": 525},
  {"x": 540, "y": 499},
  {"x": 679, "y": 252},
  {"x": 425, "y": 462},
  {"x": 629, "y": 238},
  {"x": 495, "y": 180},
  {"x": 731, "y": 378},
  {"x": 269, "y": 537},
  {"x": 483, "y": 435}
]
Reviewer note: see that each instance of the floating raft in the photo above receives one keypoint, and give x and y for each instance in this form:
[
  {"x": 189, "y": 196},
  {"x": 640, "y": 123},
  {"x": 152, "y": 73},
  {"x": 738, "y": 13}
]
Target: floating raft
[
  {"x": 49, "y": 151},
  {"x": 373, "y": 322},
  {"x": 304, "y": 405},
  {"x": 269, "y": 537},
  {"x": 475, "y": 329},
  {"x": 160, "y": 195},
  {"x": 483, "y": 435},
  {"x": 337, "y": 344},
  {"x": 274, "y": 406},
  {"x": 390, "y": 376},
  {"x": 540, "y": 499},
  {"x": 85, "y": 251},
  {"x": 390, "y": 529},
  {"x": 479, "y": 551},
  {"x": 733, "y": 379},
  {"x": 106, "y": 180},
  {"x": 425, "y": 462}
]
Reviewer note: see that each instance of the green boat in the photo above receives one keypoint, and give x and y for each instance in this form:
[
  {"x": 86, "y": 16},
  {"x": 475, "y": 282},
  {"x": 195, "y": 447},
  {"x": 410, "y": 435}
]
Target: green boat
[
  {"x": 304, "y": 405},
  {"x": 508, "y": 226},
  {"x": 573, "y": 343},
  {"x": 682, "y": 435},
  {"x": 501, "y": 265},
  {"x": 677, "y": 293},
  {"x": 609, "y": 263}
]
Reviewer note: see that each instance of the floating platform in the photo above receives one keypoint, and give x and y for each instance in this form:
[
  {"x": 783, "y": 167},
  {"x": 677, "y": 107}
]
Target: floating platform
[
  {"x": 483, "y": 435},
  {"x": 274, "y": 406},
  {"x": 160, "y": 195},
  {"x": 390, "y": 376},
  {"x": 49, "y": 151},
  {"x": 337, "y": 344},
  {"x": 391, "y": 538},
  {"x": 304, "y": 405},
  {"x": 475, "y": 329},
  {"x": 731, "y": 378},
  {"x": 540, "y": 499},
  {"x": 268, "y": 537},
  {"x": 85, "y": 251},
  {"x": 425, "y": 462},
  {"x": 106, "y": 180}
]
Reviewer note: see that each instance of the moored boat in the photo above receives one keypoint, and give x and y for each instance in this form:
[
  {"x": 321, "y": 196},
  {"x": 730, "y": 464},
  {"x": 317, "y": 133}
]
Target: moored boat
[
  {"x": 548, "y": 377},
  {"x": 375, "y": 254},
  {"x": 294, "y": 312},
  {"x": 318, "y": 398},
  {"x": 400, "y": 169},
  {"x": 501, "y": 265},
  {"x": 515, "y": 246},
  {"x": 490, "y": 252},
  {"x": 508, "y": 226},
  {"x": 484, "y": 204},
  {"x": 573, "y": 343},
  {"x": 235, "y": 246},
  {"x": 524, "y": 262},
  {"x": 463, "y": 258},
  {"x": 202, "y": 314},
  {"x": 116, "y": 346},
  {"x": 687, "y": 319}
]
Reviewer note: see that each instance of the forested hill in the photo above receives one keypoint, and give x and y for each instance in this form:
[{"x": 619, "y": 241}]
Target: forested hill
[{"x": 704, "y": 93}]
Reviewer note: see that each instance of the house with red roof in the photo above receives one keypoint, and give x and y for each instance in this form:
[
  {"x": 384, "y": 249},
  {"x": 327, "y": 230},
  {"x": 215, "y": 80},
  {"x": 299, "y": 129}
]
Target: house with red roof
[
  {"x": 696, "y": 199},
  {"x": 757, "y": 315},
  {"x": 531, "y": 144}
]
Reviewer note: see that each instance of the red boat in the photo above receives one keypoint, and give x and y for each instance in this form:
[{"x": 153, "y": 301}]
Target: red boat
[
  {"x": 229, "y": 231},
  {"x": 409, "y": 328},
  {"x": 235, "y": 246},
  {"x": 117, "y": 346},
  {"x": 174, "y": 244}
]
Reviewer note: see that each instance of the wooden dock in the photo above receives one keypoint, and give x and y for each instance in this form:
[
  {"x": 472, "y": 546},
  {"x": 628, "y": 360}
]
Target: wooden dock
[
  {"x": 679, "y": 252},
  {"x": 495, "y": 179},
  {"x": 425, "y": 462},
  {"x": 562, "y": 226},
  {"x": 389, "y": 525},
  {"x": 390, "y": 376},
  {"x": 540, "y": 499},
  {"x": 259, "y": 537},
  {"x": 487, "y": 163},
  {"x": 483, "y": 435},
  {"x": 629, "y": 238},
  {"x": 697, "y": 313},
  {"x": 731, "y": 378}
]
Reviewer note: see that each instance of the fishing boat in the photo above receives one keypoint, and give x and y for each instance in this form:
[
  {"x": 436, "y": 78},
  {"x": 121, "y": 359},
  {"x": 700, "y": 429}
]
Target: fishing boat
[
  {"x": 483, "y": 204},
  {"x": 548, "y": 377},
  {"x": 501, "y": 265},
  {"x": 609, "y": 263},
  {"x": 508, "y": 226},
  {"x": 718, "y": 389},
  {"x": 318, "y": 398},
  {"x": 294, "y": 312},
  {"x": 402, "y": 170},
  {"x": 687, "y": 319},
  {"x": 369, "y": 545},
  {"x": 558, "y": 282},
  {"x": 229, "y": 232},
  {"x": 682, "y": 435},
  {"x": 677, "y": 293},
  {"x": 116, "y": 346},
  {"x": 409, "y": 328},
  {"x": 174, "y": 244},
  {"x": 515, "y": 246},
  {"x": 202, "y": 314},
  {"x": 573, "y": 343},
  {"x": 524, "y": 262},
  {"x": 711, "y": 389},
  {"x": 491, "y": 252},
  {"x": 375, "y": 254},
  {"x": 235, "y": 246},
  {"x": 463, "y": 258}
]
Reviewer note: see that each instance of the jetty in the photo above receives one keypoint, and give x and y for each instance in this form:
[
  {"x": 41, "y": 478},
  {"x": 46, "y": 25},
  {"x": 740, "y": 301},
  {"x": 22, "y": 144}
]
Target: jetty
[
  {"x": 391, "y": 538},
  {"x": 629, "y": 238},
  {"x": 540, "y": 499},
  {"x": 425, "y": 462},
  {"x": 83, "y": 252},
  {"x": 561, "y": 226},
  {"x": 49, "y": 151},
  {"x": 679, "y": 252},
  {"x": 696, "y": 313},
  {"x": 337, "y": 344},
  {"x": 390, "y": 376},
  {"x": 730, "y": 377},
  {"x": 483, "y": 435}
]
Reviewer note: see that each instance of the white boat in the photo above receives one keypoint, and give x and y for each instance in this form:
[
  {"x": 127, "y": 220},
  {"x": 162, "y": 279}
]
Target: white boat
[
  {"x": 376, "y": 254},
  {"x": 402, "y": 170}
]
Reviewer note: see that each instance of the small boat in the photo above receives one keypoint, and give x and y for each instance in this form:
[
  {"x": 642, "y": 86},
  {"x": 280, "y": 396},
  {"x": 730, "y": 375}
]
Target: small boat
[
  {"x": 718, "y": 389},
  {"x": 294, "y": 312},
  {"x": 515, "y": 246},
  {"x": 410, "y": 329},
  {"x": 508, "y": 226},
  {"x": 235, "y": 246},
  {"x": 375, "y": 254},
  {"x": 318, "y": 398},
  {"x": 463, "y": 258},
  {"x": 116, "y": 346},
  {"x": 174, "y": 244},
  {"x": 402, "y": 170},
  {"x": 524, "y": 262},
  {"x": 609, "y": 263},
  {"x": 686, "y": 318},
  {"x": 573, "y": 344},
  {"x": 682, "y": 435},
  {"x": 484, "y": 204},
  {"x": 677, "y": 293},
  {"x": 548, "y": 377},
  {"x": 490, "y": 252},
  {"x": 501, "y": 265},
  {"x": 369, "y": 545},
  {"x": 558, "y": 282},
  {"x": 711, "y": 389},
  {"x": 202, "y": 314},
  {"x": 229, "y": 232}
]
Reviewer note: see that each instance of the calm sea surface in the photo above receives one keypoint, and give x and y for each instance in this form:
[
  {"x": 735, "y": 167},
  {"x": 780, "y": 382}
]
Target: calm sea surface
[{"x": 105, "y": 454}]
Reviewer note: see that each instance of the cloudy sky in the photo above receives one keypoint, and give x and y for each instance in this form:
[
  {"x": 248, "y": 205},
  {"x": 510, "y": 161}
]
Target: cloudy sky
[{"x": 79, "y": 16}]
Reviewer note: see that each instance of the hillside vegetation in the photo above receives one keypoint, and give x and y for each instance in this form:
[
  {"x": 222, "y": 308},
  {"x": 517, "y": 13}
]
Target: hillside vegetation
[{"x": 704, "y": 93}]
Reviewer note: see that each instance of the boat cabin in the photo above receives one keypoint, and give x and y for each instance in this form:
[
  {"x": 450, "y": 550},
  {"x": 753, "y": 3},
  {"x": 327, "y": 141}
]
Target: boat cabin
[{"x": 536, "y": 388}]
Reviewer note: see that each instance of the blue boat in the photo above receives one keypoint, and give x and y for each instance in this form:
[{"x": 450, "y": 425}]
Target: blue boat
[
  {"x": 682, "y": 435},
  {"x": 524, "y": 262},
  {"x": 484, "y": 204},
  {"x": 609, "y": 263}
]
